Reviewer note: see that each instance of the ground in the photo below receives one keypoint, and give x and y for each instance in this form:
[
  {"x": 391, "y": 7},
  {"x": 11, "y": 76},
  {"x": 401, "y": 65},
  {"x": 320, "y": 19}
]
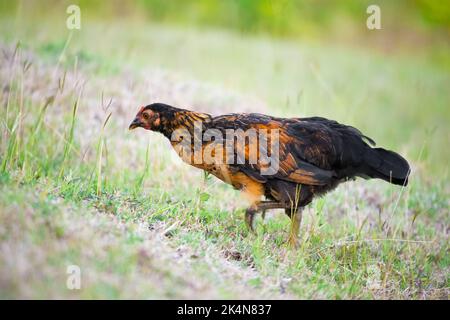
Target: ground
[{"x": 78, "y": 189}]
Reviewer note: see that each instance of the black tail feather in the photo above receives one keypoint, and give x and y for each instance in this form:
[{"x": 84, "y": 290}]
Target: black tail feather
[{"x": 386, "y": 165}]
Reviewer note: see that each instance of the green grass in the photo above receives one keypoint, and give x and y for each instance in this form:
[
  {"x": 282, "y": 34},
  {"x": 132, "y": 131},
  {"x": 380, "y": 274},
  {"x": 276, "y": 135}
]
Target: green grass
[{"x": 78, "y": 188}]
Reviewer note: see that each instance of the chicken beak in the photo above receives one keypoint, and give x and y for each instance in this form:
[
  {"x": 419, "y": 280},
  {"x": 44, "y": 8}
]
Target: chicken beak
[{"x": 136, "y": 123}]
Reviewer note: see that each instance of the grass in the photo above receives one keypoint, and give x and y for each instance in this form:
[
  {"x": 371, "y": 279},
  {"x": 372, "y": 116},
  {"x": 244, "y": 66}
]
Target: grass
[{"x": 77, "y": 188}]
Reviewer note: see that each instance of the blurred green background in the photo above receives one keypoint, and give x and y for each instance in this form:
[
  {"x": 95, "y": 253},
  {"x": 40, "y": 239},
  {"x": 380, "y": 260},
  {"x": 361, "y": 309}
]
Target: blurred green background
[
  {"x": 421, "y": 22},
  {"x": 280, "y": 18}
]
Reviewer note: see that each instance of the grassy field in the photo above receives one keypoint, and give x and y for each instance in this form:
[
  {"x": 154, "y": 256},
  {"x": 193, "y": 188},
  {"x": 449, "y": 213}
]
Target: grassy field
[{"x": 78, "y": 189}]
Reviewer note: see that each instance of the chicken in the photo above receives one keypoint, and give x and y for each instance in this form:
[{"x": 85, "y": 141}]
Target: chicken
[{"x": 311, "y": 156}]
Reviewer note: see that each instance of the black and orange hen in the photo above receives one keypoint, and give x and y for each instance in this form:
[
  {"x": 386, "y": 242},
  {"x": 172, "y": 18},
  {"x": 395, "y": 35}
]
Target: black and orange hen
[{"x": 315, "y": 155}]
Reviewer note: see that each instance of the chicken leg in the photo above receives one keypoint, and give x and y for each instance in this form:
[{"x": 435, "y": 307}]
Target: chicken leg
[
  {"x": 296, "y": 220},
  {"x": 255, "y": 208}
]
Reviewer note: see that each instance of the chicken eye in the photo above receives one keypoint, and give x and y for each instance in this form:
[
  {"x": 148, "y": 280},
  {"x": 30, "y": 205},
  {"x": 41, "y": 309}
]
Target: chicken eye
[{"x": 145, "y": 116}]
